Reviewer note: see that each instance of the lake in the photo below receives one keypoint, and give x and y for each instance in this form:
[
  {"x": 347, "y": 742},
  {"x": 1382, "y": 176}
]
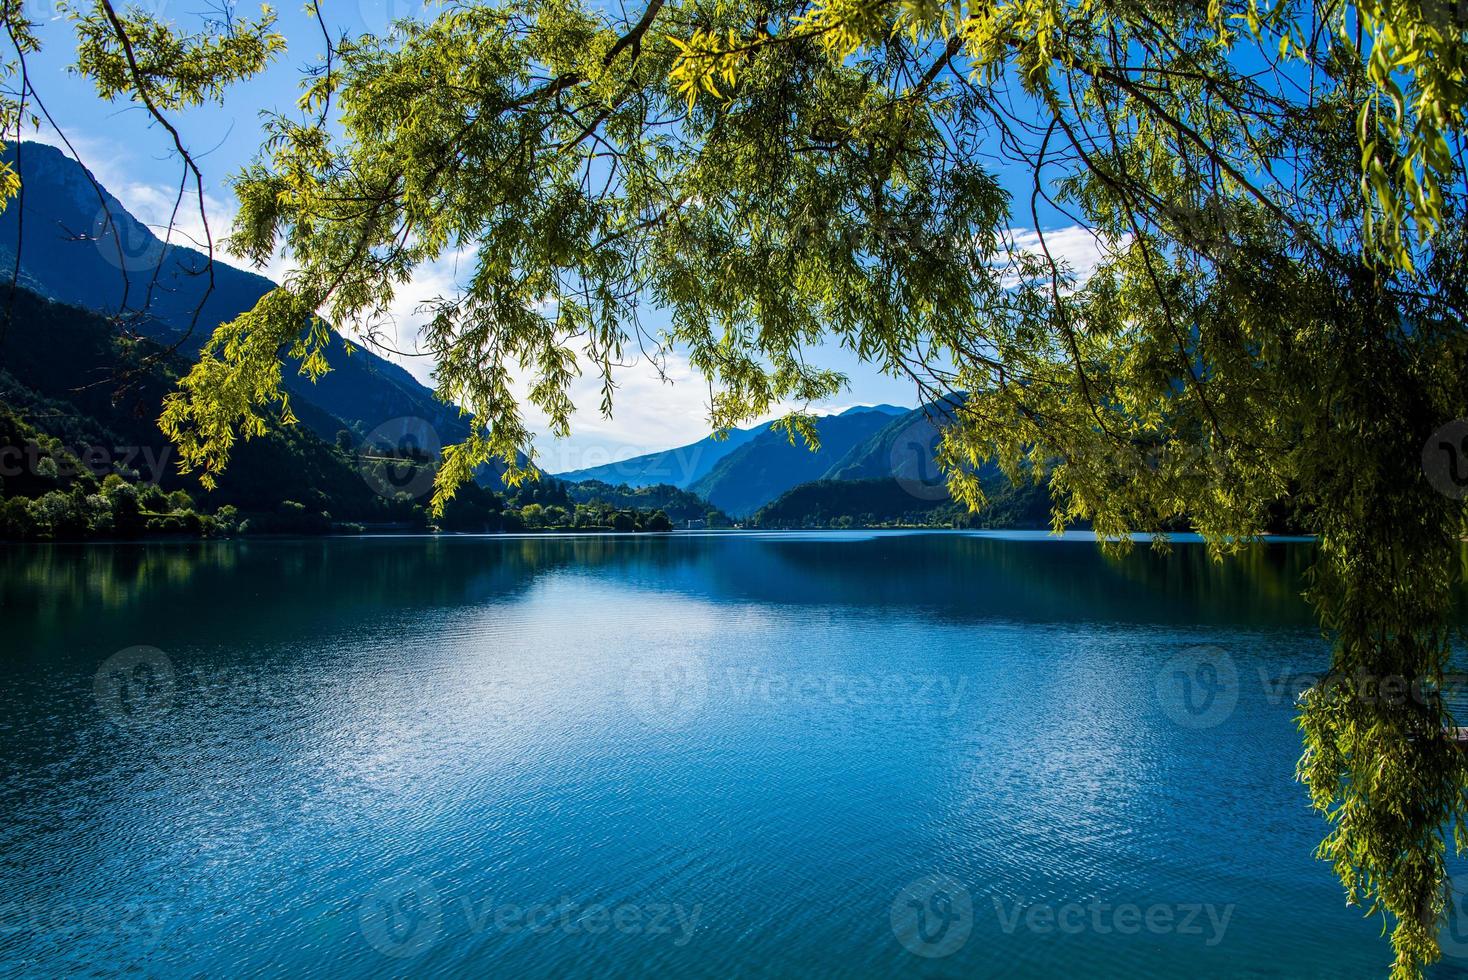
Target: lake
[{"x": 823, "y": 755}]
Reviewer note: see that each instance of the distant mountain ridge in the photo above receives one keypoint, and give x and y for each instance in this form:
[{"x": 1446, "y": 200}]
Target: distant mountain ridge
[
  {"x": 70, "y": 253},
  {"x": 683, "y": 466},
  {"x": 756, "y": 466},
  {"x": 769, "y": 464},
  {"x": 750, "y": 467},
  {"x": 883, "y": 409},
  {"x": 679, "y": 467}
]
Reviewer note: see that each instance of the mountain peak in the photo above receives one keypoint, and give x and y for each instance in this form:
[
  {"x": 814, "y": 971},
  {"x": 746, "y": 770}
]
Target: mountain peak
[{"x": 880, "y": 409}]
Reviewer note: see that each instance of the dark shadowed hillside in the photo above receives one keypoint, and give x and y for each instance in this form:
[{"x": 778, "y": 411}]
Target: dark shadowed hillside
[
  {"x": 769, "y": 464},
  {"x": 70, "y": 252}
]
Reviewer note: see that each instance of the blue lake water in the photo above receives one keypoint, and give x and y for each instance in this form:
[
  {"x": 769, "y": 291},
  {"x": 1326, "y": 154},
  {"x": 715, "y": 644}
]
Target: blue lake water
[{"x": 687, "y": 755}]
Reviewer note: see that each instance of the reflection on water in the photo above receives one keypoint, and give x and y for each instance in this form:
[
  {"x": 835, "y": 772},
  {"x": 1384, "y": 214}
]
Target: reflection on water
[
  {"x": 826, "y": 755},
  {"x": 966, "y": 576}
]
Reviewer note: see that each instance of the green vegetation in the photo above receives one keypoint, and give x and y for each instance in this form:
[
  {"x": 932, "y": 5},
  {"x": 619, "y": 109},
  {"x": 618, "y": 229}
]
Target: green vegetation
[
  {"x": 679, "y": 505},
  {"x": 886, "y": 503},
  {"x": 552, "y": 505},
  {"x": 89, "y": 461},
  {"x": 1278, "y": 189},
  {"x": 48, "y": 494}
]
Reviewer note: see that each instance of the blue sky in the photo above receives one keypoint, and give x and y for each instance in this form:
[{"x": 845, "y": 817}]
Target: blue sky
[{"x": 135, "y": 161}]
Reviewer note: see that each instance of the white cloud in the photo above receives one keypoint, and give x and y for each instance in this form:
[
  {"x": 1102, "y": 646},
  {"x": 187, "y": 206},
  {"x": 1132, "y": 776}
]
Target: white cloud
[
  {"x": 1078, "y": 248},
  {"x": 648, "y": 414},
  {"x": 401, "y": 329}
]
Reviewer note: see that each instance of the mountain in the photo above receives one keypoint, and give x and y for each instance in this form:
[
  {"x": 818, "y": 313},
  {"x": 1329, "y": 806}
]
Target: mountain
[
  {"x": 81, "y": 456},
  {"x": 769, "y": 464},
  {"x": 753, "y": 466},
  {"x": 886, "y": 503},
  {"x": 70, "y": 252},
  {"x": 686, "y": 465},
  {"x": 679, "y": 467},
  {"x": 883, "y": 409},
  {"x": 903, "y": 449},
  {"x": 73, "y": 387}
]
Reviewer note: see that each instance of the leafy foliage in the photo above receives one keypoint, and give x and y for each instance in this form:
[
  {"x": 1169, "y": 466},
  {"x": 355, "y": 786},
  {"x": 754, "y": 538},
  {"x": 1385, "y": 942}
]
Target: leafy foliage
[
  {"x": 90, "y": 461},
  {"x": 1278, "y": 190},
  {"x": 679, "y": 505}
]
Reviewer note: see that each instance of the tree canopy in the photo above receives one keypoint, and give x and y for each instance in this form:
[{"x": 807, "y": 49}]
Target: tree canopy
[{"x": 1278, "y": 188}]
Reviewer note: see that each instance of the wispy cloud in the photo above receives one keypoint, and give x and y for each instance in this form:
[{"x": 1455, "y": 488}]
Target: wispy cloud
[{"x": 1080, "y": 250}]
